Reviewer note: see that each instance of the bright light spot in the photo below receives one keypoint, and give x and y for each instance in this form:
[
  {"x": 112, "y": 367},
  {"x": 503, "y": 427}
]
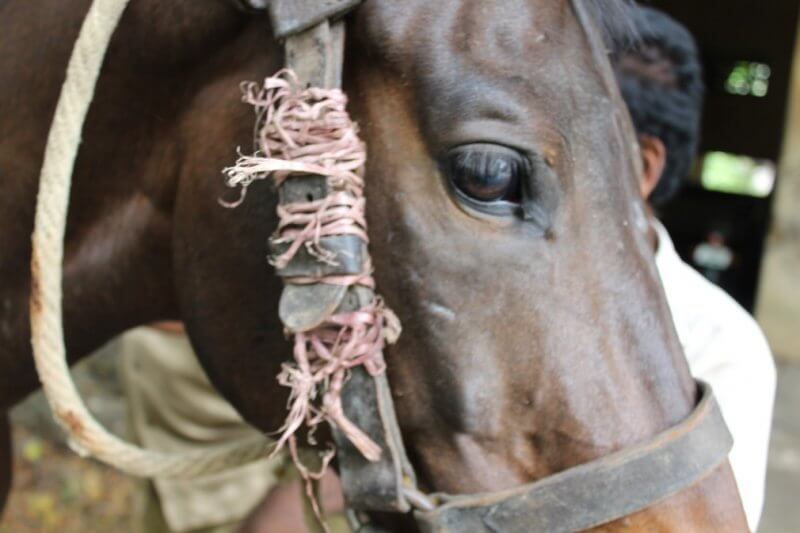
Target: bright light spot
[
  {"x": 748, "y": 78},
  {"x": 737, "y": 174}
]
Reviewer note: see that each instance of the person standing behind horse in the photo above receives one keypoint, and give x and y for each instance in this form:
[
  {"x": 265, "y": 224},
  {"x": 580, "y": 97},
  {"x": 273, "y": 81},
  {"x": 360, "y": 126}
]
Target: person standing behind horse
[
  {"x": 173, "y": 407},
  {"x": 661, "y": 82}
]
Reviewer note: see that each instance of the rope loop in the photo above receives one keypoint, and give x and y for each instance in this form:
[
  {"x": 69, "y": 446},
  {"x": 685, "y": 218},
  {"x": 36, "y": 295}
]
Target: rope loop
[{"x": 86, "y": 435}]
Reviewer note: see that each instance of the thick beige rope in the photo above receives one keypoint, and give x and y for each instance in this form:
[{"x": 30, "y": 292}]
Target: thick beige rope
[{"x": 87, "y": 436}]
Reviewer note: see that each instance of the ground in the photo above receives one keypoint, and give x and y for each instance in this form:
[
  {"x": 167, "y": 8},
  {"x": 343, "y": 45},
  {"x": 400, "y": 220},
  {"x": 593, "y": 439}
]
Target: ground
[{"x": 56, "y": 491}]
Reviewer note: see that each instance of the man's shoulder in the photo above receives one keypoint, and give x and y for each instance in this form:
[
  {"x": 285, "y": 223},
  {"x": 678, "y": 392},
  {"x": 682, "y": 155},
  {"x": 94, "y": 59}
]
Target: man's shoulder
[
  {"x": 695, "y": 297},
  {"x": 705, "y": 316}
]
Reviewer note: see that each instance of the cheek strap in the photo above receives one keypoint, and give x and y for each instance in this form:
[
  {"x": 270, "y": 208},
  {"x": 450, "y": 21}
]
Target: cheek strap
[{"x": 309, "y": 147}]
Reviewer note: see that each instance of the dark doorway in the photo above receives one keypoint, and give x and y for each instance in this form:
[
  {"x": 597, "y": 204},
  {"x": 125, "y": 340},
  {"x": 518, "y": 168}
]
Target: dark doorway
[{"x": 747, "y": 50}]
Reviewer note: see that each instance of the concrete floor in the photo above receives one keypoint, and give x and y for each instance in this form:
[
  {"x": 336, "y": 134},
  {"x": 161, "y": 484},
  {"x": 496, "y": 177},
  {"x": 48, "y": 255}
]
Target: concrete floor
[{"x": 782, "y": 510}]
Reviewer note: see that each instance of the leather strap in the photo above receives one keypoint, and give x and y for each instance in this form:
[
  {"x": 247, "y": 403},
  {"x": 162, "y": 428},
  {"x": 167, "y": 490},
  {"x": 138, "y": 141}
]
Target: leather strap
[
  {"x": 367, "y": 402},
  {"x": 348, "y": 250},
  {"x": 290, "y": 17},
  {"x": 372, "y": 486},
  {"x": 314, "y": 51},
  {"x": 599, "y": 492},
  {"x": 316, "y": 57}
]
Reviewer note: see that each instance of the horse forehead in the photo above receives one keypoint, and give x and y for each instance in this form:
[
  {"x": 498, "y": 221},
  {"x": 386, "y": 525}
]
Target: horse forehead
[
  {"x": 502, "y": 31},
  {"x": 473, "y": 61}
]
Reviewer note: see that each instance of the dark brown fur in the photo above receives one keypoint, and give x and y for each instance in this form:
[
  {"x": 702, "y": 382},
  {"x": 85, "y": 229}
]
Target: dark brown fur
[{"x": 523, "y": 353}]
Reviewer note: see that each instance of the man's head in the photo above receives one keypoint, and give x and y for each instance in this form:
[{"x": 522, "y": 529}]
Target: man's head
[{"x": 662, "y": 84}]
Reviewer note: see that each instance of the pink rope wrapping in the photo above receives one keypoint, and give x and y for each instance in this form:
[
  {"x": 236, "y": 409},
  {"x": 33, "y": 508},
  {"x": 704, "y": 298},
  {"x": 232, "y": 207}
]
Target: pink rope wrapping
[{"x": 308, "y": 131}]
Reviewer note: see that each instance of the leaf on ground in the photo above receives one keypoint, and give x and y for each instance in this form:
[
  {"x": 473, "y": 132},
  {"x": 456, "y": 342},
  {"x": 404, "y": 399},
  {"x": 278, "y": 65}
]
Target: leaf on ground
[
  {"x": 42, "y": 506},
  {"x": 93, "y": 486},
  {"x": 33, "y": 450}
]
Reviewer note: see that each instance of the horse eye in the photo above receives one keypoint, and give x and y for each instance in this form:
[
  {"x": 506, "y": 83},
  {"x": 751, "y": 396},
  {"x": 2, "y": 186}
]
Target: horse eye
[{"x": 486, "y": 173}]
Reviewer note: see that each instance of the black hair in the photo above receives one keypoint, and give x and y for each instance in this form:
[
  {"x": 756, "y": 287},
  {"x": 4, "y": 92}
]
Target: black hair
[{"x": 661, "y": 80}]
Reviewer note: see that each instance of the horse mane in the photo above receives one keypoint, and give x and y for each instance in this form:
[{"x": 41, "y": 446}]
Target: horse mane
[{"x": 616, "y": 20}]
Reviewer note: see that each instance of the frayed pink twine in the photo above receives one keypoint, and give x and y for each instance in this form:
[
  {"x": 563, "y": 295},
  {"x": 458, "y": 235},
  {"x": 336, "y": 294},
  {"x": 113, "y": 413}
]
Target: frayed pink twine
[
  {"x": 299, "y": 130},
  {"x": 306, "y": 223},
  {"x": 323, "y": 357},
  {"x": 308, "y": 131}
]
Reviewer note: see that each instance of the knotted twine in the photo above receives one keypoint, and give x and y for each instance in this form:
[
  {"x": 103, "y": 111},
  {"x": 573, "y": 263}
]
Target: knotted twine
[{"x": 308, "y": 131}]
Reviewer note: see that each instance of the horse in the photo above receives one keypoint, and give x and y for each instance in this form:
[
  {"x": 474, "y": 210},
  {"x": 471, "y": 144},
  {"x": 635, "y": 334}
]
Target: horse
[{"x": 505, "y": 227}]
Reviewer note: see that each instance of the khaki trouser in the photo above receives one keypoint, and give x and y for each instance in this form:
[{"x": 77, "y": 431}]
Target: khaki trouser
[
  {"x": 150, "y": 516},
  {"x": 174, "y": 408}
]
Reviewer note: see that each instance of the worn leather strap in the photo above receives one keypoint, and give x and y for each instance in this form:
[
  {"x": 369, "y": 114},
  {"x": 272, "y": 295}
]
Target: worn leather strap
[
  {"x": 314, "y": 51},
  {"x": 315, "y": 56},
  {"x": 599, "y": 492},
  {"x": 349, "y": 250},
  {"x": 290, "y": 17},
  {"x": 367, "y": 401},
  {"x": 372, "y": 486}
]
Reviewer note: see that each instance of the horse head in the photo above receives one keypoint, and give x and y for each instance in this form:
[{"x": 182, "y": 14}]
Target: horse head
[{"x": 505, "y": 225}]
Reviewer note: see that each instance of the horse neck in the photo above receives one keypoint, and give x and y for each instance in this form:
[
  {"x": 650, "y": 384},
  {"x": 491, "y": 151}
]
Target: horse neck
[{"x": 140, "y": 141}]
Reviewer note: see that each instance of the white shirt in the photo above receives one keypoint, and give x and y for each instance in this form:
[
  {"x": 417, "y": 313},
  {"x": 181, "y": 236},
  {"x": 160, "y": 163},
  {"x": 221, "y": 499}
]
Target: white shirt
[{"x": 726, "y": 348}]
